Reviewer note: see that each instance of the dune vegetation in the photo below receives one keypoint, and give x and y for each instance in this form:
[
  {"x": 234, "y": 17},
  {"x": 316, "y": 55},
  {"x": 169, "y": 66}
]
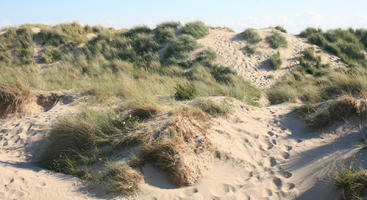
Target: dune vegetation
[{"x": 117, "y": 64}]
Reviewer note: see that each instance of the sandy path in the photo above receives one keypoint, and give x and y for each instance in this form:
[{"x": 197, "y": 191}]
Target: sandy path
[{"x": 256, "y": 68}]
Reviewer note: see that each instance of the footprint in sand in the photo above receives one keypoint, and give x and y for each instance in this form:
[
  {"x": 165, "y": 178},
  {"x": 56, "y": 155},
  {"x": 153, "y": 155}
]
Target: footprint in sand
[
  {"x": 229, "y": 188},
  {"x": 269, "y": 192},
  {"x": 285, "y": 155},
  {"x": 288, "y": 148},
  {"x": 270, "y": 133},
  {"x": 286, "y": 174},
  {"x": 278, "y": 182},
  {"x": 191, "y": 191},
  {"x": 272, "y": 161},
  {"x": 291, "y": 186}
]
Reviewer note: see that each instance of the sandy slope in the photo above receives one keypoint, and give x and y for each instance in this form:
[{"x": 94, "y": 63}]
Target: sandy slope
[
  {"x": 256, "y": 69},
  {"x": 272, "y": 155},
  {"x": 265, "y": 153}
]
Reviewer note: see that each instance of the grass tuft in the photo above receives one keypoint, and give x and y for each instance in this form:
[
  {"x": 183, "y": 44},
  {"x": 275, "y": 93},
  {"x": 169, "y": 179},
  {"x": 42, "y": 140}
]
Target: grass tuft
[
  {"x": 213, "y": 108},
  {"x": 123, "y": 180},
  {"x": 249, "y": 50},
  {"x": 353, "y": 182},
  {"x": 277, "y": 40},
  {"x": 251, "y": 36},
  {"x": 196, "y": 29},
  {"x": 275, "y": 61},
  {"x": 13, "y": 98},
  {"x": 185, "y": 91}
]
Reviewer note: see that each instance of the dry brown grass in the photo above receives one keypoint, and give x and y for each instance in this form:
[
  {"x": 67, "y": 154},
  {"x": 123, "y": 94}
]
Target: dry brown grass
[
  {"x": 144, "y": 112},
  {"x": 13, "y": 99},
  {"x": 184, "y": 136},
  {"x": 123, "y": 180}
]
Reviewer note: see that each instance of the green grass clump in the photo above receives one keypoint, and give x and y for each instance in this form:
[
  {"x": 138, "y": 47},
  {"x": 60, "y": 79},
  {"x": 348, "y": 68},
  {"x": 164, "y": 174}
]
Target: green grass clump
[
  {"x": 310, "y": 63},
  {"x": 251, "y": 36},
  {"x": 185, "y": 91},
  {"x": 281, "y": 29},
  {"x": 24, "y": 46},
  {"x": 281, "y": 94},
  {"x": 275, "y": 61},
  {"x": 76, "y": 140},
  {"x": 277, "y": 40},
  {"x": 213, "y": 108},
  {"x": 80, "y": 143},
  {"x": 136, "y": 30},
  {"x": 163, "y": 35},
  {"x": 352, "y": 181},
  {"x": 177, "y": 52},
  {"x": 249, "y": 50},
  {"x": 50, "y": 54},
  {"x": 196, "y": 29},
  {"x": 206, "y": 57},
  {"x": 166, "y": 31}
]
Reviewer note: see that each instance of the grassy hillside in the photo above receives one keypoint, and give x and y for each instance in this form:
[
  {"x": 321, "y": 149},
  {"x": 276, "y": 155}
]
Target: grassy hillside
[{"x": 139, "y": 63}]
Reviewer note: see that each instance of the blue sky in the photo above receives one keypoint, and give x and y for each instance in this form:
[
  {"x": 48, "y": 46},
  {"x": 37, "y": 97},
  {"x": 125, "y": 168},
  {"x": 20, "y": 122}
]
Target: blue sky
[{"x": 294, "y": 15}]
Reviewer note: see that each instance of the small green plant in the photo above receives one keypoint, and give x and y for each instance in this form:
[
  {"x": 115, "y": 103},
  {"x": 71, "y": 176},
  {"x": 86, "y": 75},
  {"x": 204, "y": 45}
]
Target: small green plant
[
  {"x": 185, "y": 91},
  {"x": 275, "y": 61},
  {"x": 352, "y": 182},
  {"x": 249, "y": 50},
  {"x": 196, "y": 29},
  {"x": 251, "y": 36},
  {"x": 277, "y": 40}
]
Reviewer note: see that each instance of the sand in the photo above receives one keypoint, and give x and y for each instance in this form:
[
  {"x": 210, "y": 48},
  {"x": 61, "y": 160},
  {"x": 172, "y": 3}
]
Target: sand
[
  {"x": 268, "y": 153},
  {"x": 272, "y": 155},
  {"x": 256, "y": 68}
]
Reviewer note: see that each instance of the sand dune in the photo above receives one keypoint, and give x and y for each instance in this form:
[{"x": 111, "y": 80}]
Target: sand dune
[{"x": 267, "y": 153}]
